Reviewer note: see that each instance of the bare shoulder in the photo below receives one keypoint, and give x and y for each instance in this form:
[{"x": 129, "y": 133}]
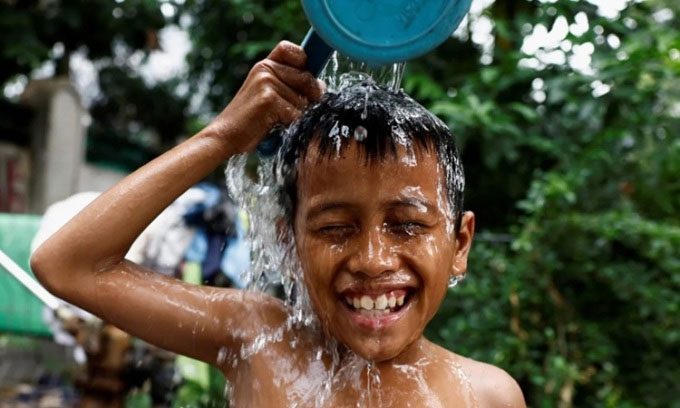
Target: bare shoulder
[
  {"x": 246, "y": 313},
  {"x": 493, "y": 386}
]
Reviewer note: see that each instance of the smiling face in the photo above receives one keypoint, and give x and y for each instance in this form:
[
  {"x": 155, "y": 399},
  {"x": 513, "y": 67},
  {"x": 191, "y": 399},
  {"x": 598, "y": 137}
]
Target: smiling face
[{"x": 376, "y": 246}]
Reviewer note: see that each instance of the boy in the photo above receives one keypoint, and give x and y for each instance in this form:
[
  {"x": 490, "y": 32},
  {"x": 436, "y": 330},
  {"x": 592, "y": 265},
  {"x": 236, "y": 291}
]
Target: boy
[{"x": 378, "y": 232}]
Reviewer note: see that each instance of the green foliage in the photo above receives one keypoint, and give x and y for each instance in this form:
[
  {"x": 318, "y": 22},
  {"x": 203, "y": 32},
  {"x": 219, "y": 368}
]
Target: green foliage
[
  {"x": 230, "y": 36},
  {"x": 133, "y": 121},
  {"x": 31, "y": 28},
  {"x": 581, "y": 307},
  {"x": 572, "y": 281},
  {"x": 573, "y": 175}
]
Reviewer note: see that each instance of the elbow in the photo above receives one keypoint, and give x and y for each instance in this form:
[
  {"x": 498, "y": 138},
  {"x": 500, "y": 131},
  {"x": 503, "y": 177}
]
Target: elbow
[{"x": 43, "y": 268}]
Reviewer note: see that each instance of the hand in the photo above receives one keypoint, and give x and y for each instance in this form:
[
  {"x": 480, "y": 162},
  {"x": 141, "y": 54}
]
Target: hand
[{"x": 275, "y": 92}]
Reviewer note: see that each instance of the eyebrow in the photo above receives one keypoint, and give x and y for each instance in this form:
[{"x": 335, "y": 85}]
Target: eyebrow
[
  {"x": 407, "y": 203},
  {"x": 319, "y": 209},
  {"x": 411, "y": 202}
]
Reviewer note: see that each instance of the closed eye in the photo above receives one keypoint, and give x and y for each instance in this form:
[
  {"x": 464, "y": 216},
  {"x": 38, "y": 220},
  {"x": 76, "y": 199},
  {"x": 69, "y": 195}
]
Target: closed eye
[
  {"x": 408, "y": 228},
  {"x": 335, "y": 230}
]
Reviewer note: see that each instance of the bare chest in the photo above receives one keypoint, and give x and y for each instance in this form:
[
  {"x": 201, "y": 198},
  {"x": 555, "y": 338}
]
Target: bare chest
[{"x": 270, "y": 382}]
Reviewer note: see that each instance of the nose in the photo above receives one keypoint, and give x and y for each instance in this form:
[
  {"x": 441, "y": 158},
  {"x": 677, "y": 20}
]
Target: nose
[{"x": 373, "y": 254}]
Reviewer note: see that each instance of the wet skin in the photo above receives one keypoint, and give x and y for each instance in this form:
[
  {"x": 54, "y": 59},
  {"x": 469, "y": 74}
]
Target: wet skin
[
  {"x": 366, "y": 229},
  {"x": 84, "y": 263},
  {"x": 282, "y": 376},
  {"x": 373, "y": 229}
]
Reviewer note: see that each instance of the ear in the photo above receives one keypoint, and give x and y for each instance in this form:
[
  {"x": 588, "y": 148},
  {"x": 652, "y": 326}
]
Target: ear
[{"x": 463, "y": 243}]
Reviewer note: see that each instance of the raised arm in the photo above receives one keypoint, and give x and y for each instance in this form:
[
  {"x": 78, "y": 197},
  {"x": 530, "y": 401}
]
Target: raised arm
[{"x": 84, "y": 262}]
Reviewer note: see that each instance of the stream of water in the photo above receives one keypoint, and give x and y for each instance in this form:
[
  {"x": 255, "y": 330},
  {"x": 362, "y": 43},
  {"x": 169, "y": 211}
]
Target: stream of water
[
  {"x": 275, "y": 265},
  {"x": 341, "y": 72}
]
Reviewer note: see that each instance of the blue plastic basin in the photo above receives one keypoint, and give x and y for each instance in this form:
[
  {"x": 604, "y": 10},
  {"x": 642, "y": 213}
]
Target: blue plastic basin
[{"x": 381, "y": 32}]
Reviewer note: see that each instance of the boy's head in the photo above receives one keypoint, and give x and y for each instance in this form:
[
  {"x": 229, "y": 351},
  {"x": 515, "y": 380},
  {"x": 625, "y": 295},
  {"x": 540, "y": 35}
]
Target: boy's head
[
  {"x": 373, "y": 188},
  {"x": 383, "y": 121}
]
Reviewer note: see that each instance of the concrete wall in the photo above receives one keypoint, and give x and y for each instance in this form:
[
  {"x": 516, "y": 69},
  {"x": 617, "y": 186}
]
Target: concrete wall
[
  {"x": 58, "y": 140},
  {"x": 65, "y": 146},
  {"x": 93, "y": 178},
  {"x": 58, "y": 137}
]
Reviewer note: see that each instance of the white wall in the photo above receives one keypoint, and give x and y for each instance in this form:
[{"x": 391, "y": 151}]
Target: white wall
[
  {"x": 65, "y": 146},
  {"x": 58, "y": 167},
  {"x": 57, "y": 140}
]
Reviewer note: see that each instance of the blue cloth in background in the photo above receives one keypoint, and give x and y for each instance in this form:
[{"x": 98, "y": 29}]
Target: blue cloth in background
[
  {"x": 236, "y": 257},
  {"x": 213, "y": 256},
  {"x": 219, "y": 243},
  {"x": 195, "y": 215},
  {"x": 198, "y": 249}
]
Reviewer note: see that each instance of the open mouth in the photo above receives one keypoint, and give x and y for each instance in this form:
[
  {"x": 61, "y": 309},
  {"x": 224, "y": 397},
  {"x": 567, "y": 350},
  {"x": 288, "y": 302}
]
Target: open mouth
[{"x": 384, "y": 303}]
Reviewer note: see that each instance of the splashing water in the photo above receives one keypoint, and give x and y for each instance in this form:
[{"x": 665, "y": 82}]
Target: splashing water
[
  {"x": 274, "y": 261},
  {"x": 273, "y": 253},
  {"x": 341, "y": 72},
  {"x": 275, "y": 264}
]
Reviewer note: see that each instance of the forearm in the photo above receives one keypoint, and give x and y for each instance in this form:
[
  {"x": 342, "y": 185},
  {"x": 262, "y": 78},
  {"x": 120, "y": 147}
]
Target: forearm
[
  {"x": 100, "y": 235},
  {"x": 84, "y": 261}
]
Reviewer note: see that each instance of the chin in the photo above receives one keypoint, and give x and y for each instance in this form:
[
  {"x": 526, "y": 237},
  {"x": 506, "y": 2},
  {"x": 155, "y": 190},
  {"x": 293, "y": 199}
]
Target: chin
[
  {"x": 374, "y": 338},
  {"x": 375, "y": 349},
  {"x": 378, "y": 356}
]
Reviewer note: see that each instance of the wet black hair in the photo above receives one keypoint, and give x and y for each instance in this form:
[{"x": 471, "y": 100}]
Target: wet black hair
[{"x": 381, "y": 120}]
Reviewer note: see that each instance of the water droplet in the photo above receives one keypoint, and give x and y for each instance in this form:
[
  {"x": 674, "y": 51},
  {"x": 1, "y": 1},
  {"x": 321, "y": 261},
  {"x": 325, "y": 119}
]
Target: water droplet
[
  {"x": 364, "y": 114},
  {"x": 360, "y": 134},
  {"x": 222, "y": 356}
]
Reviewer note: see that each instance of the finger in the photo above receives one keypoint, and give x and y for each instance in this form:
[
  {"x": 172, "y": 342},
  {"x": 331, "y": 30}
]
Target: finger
[
  {"x": 272, "y": 88},
  {"x": 301, "y": 81},
  {"x": 290, "y": 114},
  {"x": 286, "y": 114},
  {"x": 288, "y": 94},
  {"x": 288, "y": 53}
]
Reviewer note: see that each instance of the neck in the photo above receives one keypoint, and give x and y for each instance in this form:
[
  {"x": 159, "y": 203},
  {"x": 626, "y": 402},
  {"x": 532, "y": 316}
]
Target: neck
[{"x": 412, "y": 355}]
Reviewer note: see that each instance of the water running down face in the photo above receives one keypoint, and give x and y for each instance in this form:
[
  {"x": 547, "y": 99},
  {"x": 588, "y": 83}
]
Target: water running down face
[
  {"x": 375, "y": 249},
  {"x": 373, "y": 219}
]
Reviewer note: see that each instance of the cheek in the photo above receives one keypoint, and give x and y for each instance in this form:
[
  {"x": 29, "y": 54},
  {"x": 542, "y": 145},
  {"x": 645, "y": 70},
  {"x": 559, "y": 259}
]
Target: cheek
[
  {"x": 433, "y": 251},
  {"x": 435, "y": 299},
  {"x": 317, "y": 266},
  {"x": 434, "y": 261},
  {"x": 430, "y": 246}
]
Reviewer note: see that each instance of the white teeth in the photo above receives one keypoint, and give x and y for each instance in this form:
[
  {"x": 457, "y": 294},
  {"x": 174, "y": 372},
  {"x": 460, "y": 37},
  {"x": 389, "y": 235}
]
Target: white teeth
[
  {"x": 366, "y": 303},
  {"x": 381, "y": 302},
  {"x": 392, "y": 302}
]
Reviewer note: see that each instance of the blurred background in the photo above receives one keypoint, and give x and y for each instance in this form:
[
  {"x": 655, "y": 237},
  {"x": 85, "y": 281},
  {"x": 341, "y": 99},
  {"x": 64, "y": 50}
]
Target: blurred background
[{"x": 567, "y": 113}]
